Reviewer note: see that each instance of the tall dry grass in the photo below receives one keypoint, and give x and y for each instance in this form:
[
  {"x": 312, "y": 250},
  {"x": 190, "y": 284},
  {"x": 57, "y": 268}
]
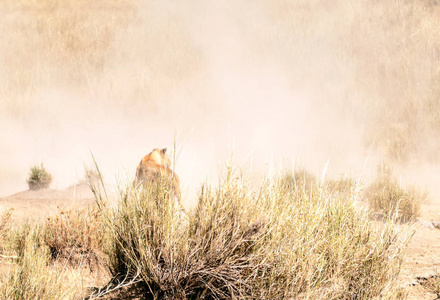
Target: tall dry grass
[
  {"x": 57, "y": 259},
  {"x": 283, "y": 242}
]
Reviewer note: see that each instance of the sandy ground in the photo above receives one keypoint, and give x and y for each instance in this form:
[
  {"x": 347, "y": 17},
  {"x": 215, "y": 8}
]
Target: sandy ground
[
  {"x": 422, "y": 257},
  {"x": 421, "y": 262}
]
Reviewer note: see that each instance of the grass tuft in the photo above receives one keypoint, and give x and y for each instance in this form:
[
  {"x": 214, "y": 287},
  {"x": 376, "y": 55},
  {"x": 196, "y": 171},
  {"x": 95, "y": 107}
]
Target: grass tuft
[
  {"x": 5, "y": 222},
  {"x": 387, "y": 196}
]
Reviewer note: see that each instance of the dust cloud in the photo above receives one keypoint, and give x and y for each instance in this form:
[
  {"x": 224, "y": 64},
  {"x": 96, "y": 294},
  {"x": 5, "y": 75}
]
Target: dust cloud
[{"x": 270, "y": 83}]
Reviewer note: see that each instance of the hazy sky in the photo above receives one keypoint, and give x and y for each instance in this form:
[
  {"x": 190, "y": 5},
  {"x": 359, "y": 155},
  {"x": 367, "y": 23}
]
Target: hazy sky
[{"x": 265, "y": 82}]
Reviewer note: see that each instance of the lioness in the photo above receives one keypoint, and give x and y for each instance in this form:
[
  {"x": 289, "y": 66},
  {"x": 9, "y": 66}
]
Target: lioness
[{"x": 157, "y": 165}]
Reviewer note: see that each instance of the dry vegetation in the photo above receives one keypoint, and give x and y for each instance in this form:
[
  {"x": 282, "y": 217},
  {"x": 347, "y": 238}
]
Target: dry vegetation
[
  {"x": 31, "y": 276},
  {"x": 288, "y": 240}
]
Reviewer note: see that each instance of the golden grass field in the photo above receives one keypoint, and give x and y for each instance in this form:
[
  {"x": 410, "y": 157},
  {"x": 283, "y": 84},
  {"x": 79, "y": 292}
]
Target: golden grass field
[{"x": 351, "y": 87}]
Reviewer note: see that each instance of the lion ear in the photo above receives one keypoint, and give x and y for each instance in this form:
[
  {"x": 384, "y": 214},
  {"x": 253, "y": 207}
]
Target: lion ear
[{"x": 164, "y": 150}]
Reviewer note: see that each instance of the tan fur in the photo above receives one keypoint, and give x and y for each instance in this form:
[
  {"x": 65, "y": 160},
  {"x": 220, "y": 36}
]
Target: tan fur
[{"x": 155, "y": 164}]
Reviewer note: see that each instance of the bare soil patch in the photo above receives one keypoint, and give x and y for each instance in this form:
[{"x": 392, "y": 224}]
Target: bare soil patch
[{"x": 37, "y": 205}]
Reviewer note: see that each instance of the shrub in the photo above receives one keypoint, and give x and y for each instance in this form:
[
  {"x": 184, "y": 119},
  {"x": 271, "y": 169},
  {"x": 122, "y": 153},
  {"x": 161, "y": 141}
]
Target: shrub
[
  {"x": 238, "y": 244},
  {"x": 385, "y": 195},
  {"x": 39, "y": 178}
]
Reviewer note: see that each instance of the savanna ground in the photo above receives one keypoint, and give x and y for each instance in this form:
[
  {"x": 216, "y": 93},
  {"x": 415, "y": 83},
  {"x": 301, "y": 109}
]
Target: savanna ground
[{"x": 339, "y": 80}]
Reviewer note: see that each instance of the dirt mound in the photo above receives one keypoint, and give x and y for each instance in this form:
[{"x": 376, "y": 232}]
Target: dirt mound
[{"x": 34, "y": 205}]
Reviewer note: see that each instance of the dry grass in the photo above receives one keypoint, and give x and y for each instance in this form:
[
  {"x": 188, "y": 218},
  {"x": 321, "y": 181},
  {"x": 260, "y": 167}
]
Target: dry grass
[
  {"x": 431, "y": 283},
  {"x": 52, "y": 260},
  {"x": 84, "y": 49},
  {"x": 91, "y": 176},
  {"x": 76, "y": 235},
  {"x": 344, "y": 184}
]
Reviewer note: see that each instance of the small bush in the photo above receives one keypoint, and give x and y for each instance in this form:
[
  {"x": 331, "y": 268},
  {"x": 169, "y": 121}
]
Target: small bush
[
  {"x": 39, "y": 178},
  {"x": 387, "y": 196}
]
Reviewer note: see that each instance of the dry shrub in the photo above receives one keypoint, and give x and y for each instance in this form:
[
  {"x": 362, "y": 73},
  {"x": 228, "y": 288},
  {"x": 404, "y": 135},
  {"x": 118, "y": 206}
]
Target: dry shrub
[
  {"x": 237, "y": 244},
  {"x": 76, "y": 235},
  {"x": 323, "y": 246},
  {"x": 206, "y": 254},
  {"x": 387, "y": 196}
]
